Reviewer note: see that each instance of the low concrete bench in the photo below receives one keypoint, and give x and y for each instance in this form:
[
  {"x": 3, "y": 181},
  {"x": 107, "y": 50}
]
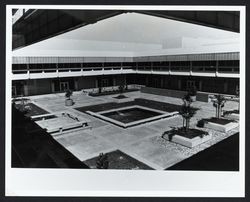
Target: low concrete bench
[
  {"x": 68, "y": 127},
  {"x": 222, "y": 128},
  {"x": 189, "y": 142},
  {"x": 41, "y": 117}
]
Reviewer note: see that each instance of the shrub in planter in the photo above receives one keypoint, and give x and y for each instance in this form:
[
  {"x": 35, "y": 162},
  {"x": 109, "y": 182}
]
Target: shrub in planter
[
  {"x": 187, "y": 112},
  {"x": 102, "y": 161},
  {"x": 68, "y": 101},
  {"x": 219, "y": 102}
]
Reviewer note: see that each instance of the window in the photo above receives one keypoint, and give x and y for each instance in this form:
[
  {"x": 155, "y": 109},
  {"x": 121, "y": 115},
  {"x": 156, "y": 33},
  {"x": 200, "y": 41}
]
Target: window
[
  {"x": 160, "y": 66},
  {"x": 105, "y": 83},
  {"x": 92, "y": 64},
  {"x": 19, "y": 66},
  {"x": 69, "y": 65},
  {"x": 204, "y": 66},
  {"x": 228, "y": 66},
  {"x": 112, "y": 64}
]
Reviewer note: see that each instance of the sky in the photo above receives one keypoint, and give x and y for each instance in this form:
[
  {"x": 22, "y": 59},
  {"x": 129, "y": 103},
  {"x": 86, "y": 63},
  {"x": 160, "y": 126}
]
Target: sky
[{"x": 134, "y": 34}]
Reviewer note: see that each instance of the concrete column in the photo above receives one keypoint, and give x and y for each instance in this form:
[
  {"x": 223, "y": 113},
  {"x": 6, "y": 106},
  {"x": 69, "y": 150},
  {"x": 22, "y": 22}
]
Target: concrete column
[
  {"x": 217, "y": 68},
  {"x": 179, "y": 84},
  {"x": 162, "y": 82},
  {"x": 25, "y": 90},
  {"x": 52, "y": 86},
  {"x": 191, "y": 68},
  {"x": 76, "y": 84},
  {"x": 37, "y": 89},
  {"x": 225, "y": 86},
  {"x": 96, "y": 83},
  {"x": 200, "y": 85}
]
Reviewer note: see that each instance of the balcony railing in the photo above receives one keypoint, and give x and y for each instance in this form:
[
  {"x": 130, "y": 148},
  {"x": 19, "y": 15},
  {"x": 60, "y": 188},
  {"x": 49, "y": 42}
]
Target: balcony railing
[
  {"x": 75, "y": 72},
  {"x": 67, "y": 72}
]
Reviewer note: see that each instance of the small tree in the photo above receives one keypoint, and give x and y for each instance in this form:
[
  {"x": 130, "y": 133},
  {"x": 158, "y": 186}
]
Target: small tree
[
  {"x": 219, "y": 102},
  {"x": 187, "y": 112},
  {"x": 121, "y": 89},
  {"x": 102, "y": 161}
]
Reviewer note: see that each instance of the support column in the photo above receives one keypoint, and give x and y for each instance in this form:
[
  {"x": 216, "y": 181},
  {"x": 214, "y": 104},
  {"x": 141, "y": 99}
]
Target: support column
[
  {"x": 52, "y": 86},
  {"x": 200, "y": 85},
  {"x": 217, "y": 68},
  {"x": 179, "y": 84},
  {"x": 146, "y": 80},
  {"x": 162, "y": 82},
  {"x": 76, "y": 84},
  {"x": 225, "y": 87},
  {"x": 96, "y": 83},
  {"x": 191, "y": 68},
  {"x": 25, "y": 89}
]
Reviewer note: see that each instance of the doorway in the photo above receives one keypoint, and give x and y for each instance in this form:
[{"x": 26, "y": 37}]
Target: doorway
[
  {"x": 64, "y": 86},
  {"x": 190, "y": 84},
  {"x": 104, "y": 83}
]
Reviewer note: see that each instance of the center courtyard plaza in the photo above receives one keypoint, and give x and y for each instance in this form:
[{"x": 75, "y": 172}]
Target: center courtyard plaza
[{"x": 142, "y": 142}]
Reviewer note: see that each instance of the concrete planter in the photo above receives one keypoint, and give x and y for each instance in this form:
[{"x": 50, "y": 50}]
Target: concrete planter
[
  {"x": 234, "y": 116},
  {"x": 193, "y": 98},
  {"x": 222, "y": 128},
  {"x": 68, "y": 102},
  {"x": 189, "y": 142}
]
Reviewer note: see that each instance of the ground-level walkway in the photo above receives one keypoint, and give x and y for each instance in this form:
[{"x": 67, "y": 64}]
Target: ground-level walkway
[{"x": 142, "y": 142}]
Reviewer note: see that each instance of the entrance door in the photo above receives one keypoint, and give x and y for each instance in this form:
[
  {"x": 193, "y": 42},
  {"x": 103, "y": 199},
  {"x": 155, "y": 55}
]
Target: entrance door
[
  {"x": 105, "y": 83},
  {"x": 190, "y": 84},
  {"x": 64, "y": 86}
]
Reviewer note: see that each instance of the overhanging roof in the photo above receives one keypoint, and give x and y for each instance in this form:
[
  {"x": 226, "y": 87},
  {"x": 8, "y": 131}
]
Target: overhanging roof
[
  {"x": 133, "y": 35},
  {"x": 37, "y": 25}
]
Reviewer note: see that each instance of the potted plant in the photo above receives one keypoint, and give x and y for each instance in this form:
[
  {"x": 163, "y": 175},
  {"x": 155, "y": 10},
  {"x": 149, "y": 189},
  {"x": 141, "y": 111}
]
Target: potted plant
[
  {"x": 68, "y": 101},
  {"x": 192, "y": 93}
]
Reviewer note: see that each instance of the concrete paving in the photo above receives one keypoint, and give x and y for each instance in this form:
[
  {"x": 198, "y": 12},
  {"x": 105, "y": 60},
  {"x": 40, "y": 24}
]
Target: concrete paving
[{"x": 142, "y": 142}]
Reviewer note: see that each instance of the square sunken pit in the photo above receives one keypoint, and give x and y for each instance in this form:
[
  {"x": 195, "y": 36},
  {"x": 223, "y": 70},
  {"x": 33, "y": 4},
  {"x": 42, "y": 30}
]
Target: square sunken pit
[{"x": 131, "y": 115}]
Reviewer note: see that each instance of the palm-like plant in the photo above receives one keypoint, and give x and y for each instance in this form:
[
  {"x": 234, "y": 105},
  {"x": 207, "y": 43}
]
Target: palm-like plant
[
  {"x": 219, "y": 102},
  {"x": 187, "y": 112}
]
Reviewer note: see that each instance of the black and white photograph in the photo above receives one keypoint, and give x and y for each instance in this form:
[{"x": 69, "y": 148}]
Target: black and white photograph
[{"x": 109, "y": 92}]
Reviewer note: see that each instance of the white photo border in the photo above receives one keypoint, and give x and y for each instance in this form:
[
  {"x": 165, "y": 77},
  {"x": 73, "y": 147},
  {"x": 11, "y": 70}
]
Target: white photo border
[{"x": 139, "y": 183}]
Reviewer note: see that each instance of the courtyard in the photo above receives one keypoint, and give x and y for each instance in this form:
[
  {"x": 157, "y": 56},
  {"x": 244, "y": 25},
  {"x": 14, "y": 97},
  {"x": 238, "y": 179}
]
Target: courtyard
[{"x": 141, "y": 143}]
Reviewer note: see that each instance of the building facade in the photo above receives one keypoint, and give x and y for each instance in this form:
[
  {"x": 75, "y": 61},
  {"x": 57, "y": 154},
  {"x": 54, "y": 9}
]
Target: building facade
[{"x": 213, "y": 73}]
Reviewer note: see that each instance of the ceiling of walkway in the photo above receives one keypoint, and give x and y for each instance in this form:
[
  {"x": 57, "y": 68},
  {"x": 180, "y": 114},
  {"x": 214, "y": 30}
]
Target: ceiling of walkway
[{"x": 37, "y": 25}]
